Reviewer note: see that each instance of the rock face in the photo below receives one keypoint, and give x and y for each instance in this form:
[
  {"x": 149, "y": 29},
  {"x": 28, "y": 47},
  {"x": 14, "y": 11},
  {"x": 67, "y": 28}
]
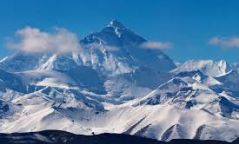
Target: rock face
[{"x": 114, "y": 85}]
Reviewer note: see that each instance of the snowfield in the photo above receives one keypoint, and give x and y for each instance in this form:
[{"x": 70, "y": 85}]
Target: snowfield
[{"x": 115, "y": 86}]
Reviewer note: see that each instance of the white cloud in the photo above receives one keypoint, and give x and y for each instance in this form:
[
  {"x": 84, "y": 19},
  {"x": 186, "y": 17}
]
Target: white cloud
[
  {"x": 156, "y": 45},
  {"x": 225, "y": 42},
  {"x": 32, "y": 40}
]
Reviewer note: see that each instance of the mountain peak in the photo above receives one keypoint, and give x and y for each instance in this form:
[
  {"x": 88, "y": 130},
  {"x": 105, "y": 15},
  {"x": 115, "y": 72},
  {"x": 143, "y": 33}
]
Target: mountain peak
[
  {"x": 116, "y": 24},
  {"x": 116, "y": 34}
]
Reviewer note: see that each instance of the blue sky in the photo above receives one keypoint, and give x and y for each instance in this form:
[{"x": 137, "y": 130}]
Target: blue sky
[{"x": 198, "y": 29}]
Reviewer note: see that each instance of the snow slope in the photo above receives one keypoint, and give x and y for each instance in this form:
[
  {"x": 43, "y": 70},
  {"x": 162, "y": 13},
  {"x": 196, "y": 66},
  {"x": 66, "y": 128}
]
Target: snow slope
[
  {"x": 113, "y": 85},
  {"x": 209, "y": 67}
]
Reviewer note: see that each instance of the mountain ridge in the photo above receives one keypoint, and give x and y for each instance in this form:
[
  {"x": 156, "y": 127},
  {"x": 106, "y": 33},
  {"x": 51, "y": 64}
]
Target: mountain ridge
[
  {"x": 113, "y": 85},
  {"x": 61, "y": 137}
]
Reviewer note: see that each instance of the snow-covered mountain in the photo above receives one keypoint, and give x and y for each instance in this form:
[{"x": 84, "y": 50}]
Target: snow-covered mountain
[
  {"x": 115, "y": 85},
  {"x": 209, "y": 67}
]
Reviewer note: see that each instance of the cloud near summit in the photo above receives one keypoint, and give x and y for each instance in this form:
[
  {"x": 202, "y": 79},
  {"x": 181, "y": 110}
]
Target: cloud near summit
[
  {"x": 33, "y": 40},
  {"x": 156, "y": 45}
]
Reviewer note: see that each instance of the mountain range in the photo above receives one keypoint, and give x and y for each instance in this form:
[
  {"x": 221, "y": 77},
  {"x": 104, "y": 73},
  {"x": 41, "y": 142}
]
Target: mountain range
[
  {"x": 115, "y": 84},
  {"x": 61, "y": 137}
]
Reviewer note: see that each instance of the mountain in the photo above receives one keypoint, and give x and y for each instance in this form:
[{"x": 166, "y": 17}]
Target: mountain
[
  {"x": 209, "y": 67},
  {"x": 114, "y": 85},
  {"x": 60, "y": 137},
  {"x": 114, "y": 34},
  {"x": 115, "y": 50}
]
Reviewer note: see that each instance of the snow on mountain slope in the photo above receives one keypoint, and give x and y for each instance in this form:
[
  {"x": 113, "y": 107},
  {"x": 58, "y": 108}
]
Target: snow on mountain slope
[
  {"x": 115, "y": 34},
  {"x": 117, "y": 49},
  {"x": 230, "y": 81},
  {"x": 21, "y": 61},
  {"x": 208, "y": 67},
  {"x": 120, "y": 56},
  {"x": 10, "y": 81},
  {"x": 7, "y": 109},
  {"x": 115, "y": 85}
]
